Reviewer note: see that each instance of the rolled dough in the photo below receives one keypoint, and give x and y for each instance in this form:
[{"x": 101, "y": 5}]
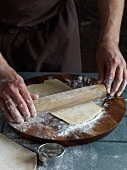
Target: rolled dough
[
  {"x": 78, "y": 114},
  {"x": 73, "y": 115},
  {"x": 48, "y": 87},
  {"x": 15, "y": 157}
]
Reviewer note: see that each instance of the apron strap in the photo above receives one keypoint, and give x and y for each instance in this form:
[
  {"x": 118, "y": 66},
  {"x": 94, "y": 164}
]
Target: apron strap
[{"x": 22, "y": 32}]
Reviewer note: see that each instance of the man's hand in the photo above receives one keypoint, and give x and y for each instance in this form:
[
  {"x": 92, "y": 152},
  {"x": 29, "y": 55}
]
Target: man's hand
[
  {"x": 110, "y": 61},
  {"x": 112, "y": 68},
  {"x": 15, "y": 100}
]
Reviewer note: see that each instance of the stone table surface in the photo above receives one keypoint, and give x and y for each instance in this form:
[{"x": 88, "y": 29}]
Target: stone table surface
[{"x": 109, "y": 153}]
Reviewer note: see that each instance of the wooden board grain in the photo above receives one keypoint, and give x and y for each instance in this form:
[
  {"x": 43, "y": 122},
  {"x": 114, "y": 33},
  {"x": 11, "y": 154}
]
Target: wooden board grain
[{"x": 49, "y": 129}]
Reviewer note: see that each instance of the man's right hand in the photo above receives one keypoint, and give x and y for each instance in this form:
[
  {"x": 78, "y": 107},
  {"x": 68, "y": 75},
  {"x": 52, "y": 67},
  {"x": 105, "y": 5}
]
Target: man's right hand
[{"x": 15, "y": 100}]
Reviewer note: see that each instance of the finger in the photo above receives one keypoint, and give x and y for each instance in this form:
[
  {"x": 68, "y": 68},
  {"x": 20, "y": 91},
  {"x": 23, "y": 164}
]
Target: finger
[
  {"x": 109, "y": 78},
  {"x": 123, "y": 84},
  {"x": 34, "y": 96},
  {"x": 27, "y": 98},
  {"x": 122, "y": 87},
  {"x": 5, "y": 111},
  {"x": 101, "y": 76},
  {"x": 21, "y": 105},
  {"x": 12, "y": 109},
  {"x": 117, "y": 81}
]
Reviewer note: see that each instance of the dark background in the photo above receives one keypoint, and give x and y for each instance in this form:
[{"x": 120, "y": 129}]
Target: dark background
[{"x": 89, "y": 25}]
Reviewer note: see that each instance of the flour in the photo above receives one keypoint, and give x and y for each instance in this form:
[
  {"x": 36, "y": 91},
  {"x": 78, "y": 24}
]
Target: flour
[
  {"x": 21, "y": 105},
  {"x": 11, "y": 108},
  {"x": 62, "y": 129},
  {"x": 106, "y": 104},
  {"x": 81, "y": 128}
]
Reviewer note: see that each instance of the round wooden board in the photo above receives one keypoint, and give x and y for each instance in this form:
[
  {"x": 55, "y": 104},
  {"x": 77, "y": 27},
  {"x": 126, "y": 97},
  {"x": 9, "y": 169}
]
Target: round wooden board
[{"x": 47, "y": 128}]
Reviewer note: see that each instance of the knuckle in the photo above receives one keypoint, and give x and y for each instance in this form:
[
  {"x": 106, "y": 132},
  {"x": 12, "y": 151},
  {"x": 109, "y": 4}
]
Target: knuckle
[
  {"x": 16, "y": 115},
  {"x": 11, "y": 108},
  {"x": 19, "y": 119},
  {"x": 110, "y": 76},
  {"x": 30, "y": 105},
  {"x": 119, "y": 79},
  {"x": 20, "y": 105},
  {"x": 21, "y": 85},
  {"x": 19, "y": 78},
  {"x": 114, "y": 61},
  {"x": 21, "y": 81},
  {"x": 24, "y": 110},
  {"x": 11, "y": 87},
  {"x": 26, "y": 114},
  {"x": 29, "y": 102},
  {"x": 115, "y": 88}
]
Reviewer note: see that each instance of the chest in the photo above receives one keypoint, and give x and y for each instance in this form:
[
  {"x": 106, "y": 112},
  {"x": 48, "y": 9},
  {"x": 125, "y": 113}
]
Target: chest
[{"x": 26, "y": 6}]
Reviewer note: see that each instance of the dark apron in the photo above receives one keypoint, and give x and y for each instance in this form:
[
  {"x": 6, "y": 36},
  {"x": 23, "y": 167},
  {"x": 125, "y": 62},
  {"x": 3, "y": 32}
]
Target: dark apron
[{"x": 40, "y": 36}]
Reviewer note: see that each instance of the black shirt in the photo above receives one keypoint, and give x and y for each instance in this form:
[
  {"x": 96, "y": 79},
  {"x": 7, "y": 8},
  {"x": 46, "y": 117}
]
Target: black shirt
[{"x": 27, "y": 12}]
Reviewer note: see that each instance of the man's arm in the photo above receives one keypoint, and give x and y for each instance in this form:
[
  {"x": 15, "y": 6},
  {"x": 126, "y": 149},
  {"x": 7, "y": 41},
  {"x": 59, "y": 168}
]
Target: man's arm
[
  {"x": 110, "y": 61},
  {"x": 15, "y": 101}
]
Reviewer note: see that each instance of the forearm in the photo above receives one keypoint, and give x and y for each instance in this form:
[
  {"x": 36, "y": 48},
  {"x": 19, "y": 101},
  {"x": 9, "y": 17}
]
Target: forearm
[
  {"x": 2, "y": 61},
  {"x": 4, "y": 67},
  {"x": 111, "y": 12}
]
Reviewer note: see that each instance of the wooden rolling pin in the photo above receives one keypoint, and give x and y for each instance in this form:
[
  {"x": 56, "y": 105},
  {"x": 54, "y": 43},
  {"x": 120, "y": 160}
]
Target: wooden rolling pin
[{"x": 69, "y": 98}]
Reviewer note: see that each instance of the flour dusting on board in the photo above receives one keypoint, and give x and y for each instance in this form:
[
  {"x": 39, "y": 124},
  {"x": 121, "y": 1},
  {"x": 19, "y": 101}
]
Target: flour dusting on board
[
  {"x": 62, "y": 129},
  {"x": 47, "y": 126},
  {"x": 87, "y": 127}
]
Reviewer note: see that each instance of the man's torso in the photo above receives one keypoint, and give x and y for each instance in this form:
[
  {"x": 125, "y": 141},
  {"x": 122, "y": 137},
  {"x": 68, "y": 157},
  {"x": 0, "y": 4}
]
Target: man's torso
[{"x": 27, "y": 12}]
